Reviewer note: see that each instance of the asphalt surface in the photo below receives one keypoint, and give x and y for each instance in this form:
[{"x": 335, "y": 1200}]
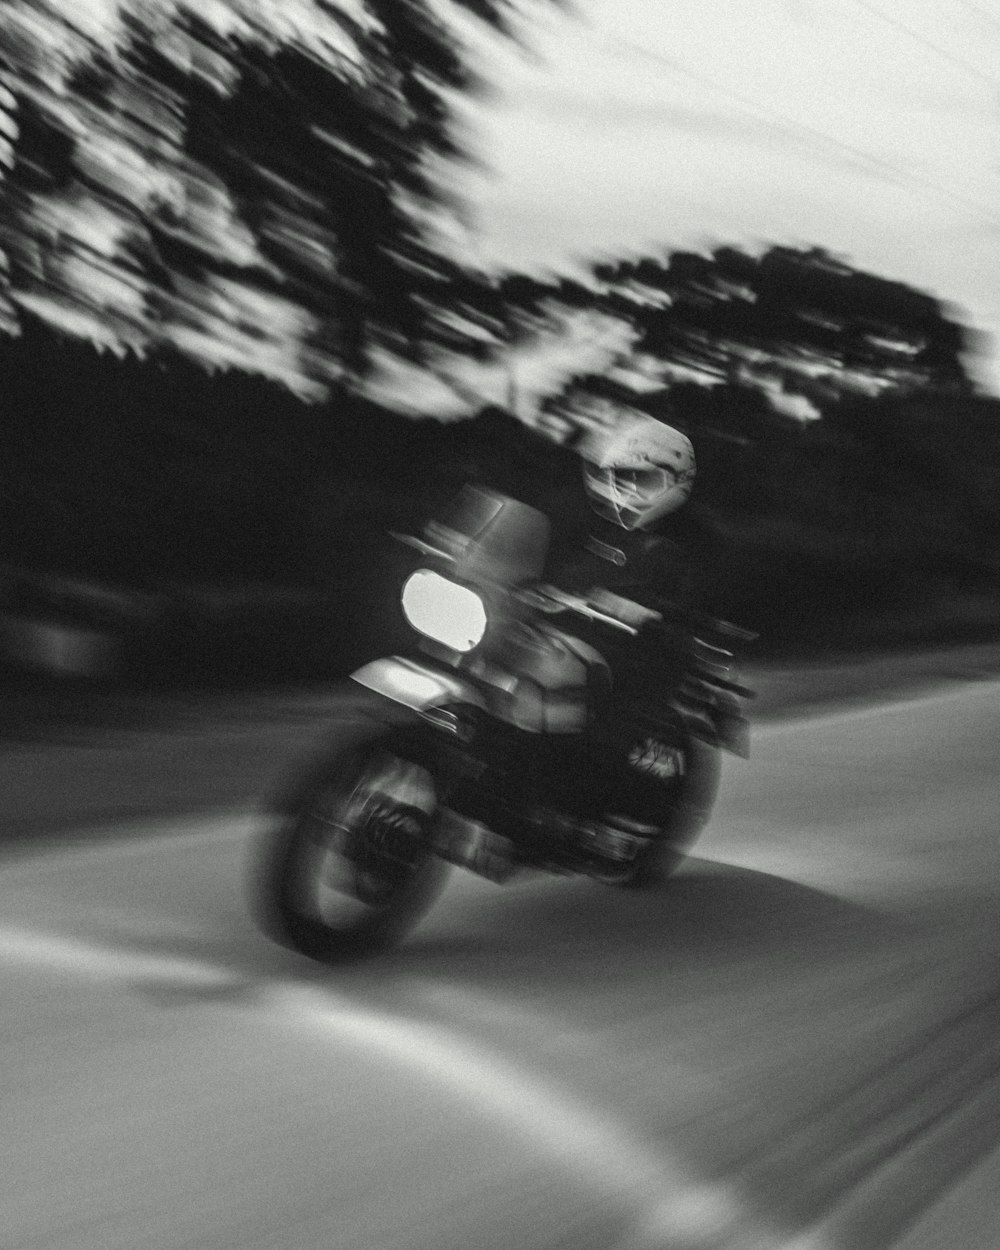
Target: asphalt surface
[{"x": 794, "y": 1046}]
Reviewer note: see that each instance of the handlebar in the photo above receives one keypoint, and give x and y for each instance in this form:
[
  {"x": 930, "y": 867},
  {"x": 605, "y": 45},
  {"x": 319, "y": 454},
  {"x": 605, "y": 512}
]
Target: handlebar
[
  {"x": 625, "y": 614},
  {"x": 620, "y": 613}
]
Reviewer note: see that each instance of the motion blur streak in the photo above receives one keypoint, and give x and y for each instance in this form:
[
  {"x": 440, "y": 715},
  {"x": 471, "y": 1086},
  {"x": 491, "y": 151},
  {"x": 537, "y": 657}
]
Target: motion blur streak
[
  {"x": 164, "y": 836},
  {"x": 103, "y": 963},
  {"x": 671, "y": 1208},
  {"x": 669, "y": 1205},
  {"x": 853, "y": 715}
]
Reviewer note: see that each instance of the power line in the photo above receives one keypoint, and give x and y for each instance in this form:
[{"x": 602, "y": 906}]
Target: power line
[
  {"x": 895, "y": 173},
  {"x": 927, "y": 43}
]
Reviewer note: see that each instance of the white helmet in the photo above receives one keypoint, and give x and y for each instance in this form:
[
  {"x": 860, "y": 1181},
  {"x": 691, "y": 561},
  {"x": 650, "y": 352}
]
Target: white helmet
[{"x": 638, "y": 471}]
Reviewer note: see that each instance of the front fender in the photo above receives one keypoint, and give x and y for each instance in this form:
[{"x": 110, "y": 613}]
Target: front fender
[{"x": 420, "y": 687}]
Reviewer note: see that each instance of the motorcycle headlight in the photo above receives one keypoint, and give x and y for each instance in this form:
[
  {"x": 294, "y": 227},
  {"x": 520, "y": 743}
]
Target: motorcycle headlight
[{"x": 449, "y": 613}]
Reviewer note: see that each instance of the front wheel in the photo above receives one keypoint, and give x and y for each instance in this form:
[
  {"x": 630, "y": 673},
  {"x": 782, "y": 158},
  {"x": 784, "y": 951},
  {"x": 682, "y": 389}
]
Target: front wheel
[
  {"x": 348, "y": 872},
  {"x": 686, "y": 813}
]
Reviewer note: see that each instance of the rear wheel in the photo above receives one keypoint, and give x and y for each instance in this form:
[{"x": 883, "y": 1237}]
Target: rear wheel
[
  {"x": 348, "y": 871},
  {"x": 686, "y": 813}
]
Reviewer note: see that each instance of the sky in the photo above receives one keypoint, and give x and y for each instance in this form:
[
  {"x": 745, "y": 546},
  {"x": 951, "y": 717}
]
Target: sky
[{"x": 867, "y": 128}]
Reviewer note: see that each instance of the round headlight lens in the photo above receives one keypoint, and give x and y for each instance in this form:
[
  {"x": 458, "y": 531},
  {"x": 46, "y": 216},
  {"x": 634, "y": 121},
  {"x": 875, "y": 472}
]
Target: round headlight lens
[{"x": 449, "y": 613}]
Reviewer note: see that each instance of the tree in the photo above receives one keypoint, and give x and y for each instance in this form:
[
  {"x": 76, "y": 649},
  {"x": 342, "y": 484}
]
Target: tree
[{"x": 255, "y": 184}]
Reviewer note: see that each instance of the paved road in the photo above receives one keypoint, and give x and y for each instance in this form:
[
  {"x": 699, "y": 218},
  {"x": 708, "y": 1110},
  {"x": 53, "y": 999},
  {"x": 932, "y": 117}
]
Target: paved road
[{"x": 796, "y": 1046}]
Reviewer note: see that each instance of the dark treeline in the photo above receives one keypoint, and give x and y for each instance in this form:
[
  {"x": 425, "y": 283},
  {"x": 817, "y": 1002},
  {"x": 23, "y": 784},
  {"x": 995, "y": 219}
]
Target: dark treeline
[
  {"x": 156, "y": 473},
  {"x": 214, "y": 226},
  {"x": 141, "y": 472}
]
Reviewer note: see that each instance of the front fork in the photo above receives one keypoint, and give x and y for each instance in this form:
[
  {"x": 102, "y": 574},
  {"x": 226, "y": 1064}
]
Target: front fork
[{"x": 446, "y": 704}]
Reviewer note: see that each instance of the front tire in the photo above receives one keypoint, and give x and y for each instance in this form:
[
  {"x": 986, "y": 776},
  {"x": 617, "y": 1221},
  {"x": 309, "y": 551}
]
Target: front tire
[{"x": 347, "y": 872}]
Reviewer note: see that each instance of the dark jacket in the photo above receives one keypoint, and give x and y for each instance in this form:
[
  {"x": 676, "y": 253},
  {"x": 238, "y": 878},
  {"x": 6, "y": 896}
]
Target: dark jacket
[
  {"x": 673, "y": 563},
  {"x": 670, "y": 567}
]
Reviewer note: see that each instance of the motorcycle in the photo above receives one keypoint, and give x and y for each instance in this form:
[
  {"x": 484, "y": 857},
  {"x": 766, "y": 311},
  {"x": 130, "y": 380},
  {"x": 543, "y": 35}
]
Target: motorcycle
[{"x": 484, "y": 748}]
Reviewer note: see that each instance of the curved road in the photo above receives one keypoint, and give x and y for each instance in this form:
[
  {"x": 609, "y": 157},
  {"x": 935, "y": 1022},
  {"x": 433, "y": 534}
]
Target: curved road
[{"x": 796, "y": 1046}]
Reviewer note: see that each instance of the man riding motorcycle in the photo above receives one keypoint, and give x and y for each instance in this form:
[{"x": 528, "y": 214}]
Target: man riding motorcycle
[
  {"x": 638, "y": 475},
  {"x": 503, "y": 742}
]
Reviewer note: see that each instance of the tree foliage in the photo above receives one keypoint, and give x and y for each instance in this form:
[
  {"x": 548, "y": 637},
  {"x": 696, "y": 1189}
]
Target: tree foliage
[
  {"x": 252, "y": 182},
  {"x": 799, "y": 326}
]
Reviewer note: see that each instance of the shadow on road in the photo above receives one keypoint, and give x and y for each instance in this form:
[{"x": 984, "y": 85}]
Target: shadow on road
[
  {"x": 567, "y": 933},
  {"x": 559, "y": 939}
]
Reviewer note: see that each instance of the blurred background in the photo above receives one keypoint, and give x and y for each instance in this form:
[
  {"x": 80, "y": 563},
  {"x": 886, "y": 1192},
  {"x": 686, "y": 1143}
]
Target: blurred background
[
  {"x": 259, "y": 305},
  {"x": 277, "y": 277}
]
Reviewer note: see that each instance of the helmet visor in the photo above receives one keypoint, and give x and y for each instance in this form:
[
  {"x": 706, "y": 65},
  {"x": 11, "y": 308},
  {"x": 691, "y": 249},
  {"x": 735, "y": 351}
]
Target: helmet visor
[
  {"x": 645, "y": 483},
  {"x": 631, "y": 497}
]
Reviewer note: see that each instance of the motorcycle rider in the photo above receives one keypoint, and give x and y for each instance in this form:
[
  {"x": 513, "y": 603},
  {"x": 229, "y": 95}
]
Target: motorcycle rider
[{"x": 639, "y": 548}]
